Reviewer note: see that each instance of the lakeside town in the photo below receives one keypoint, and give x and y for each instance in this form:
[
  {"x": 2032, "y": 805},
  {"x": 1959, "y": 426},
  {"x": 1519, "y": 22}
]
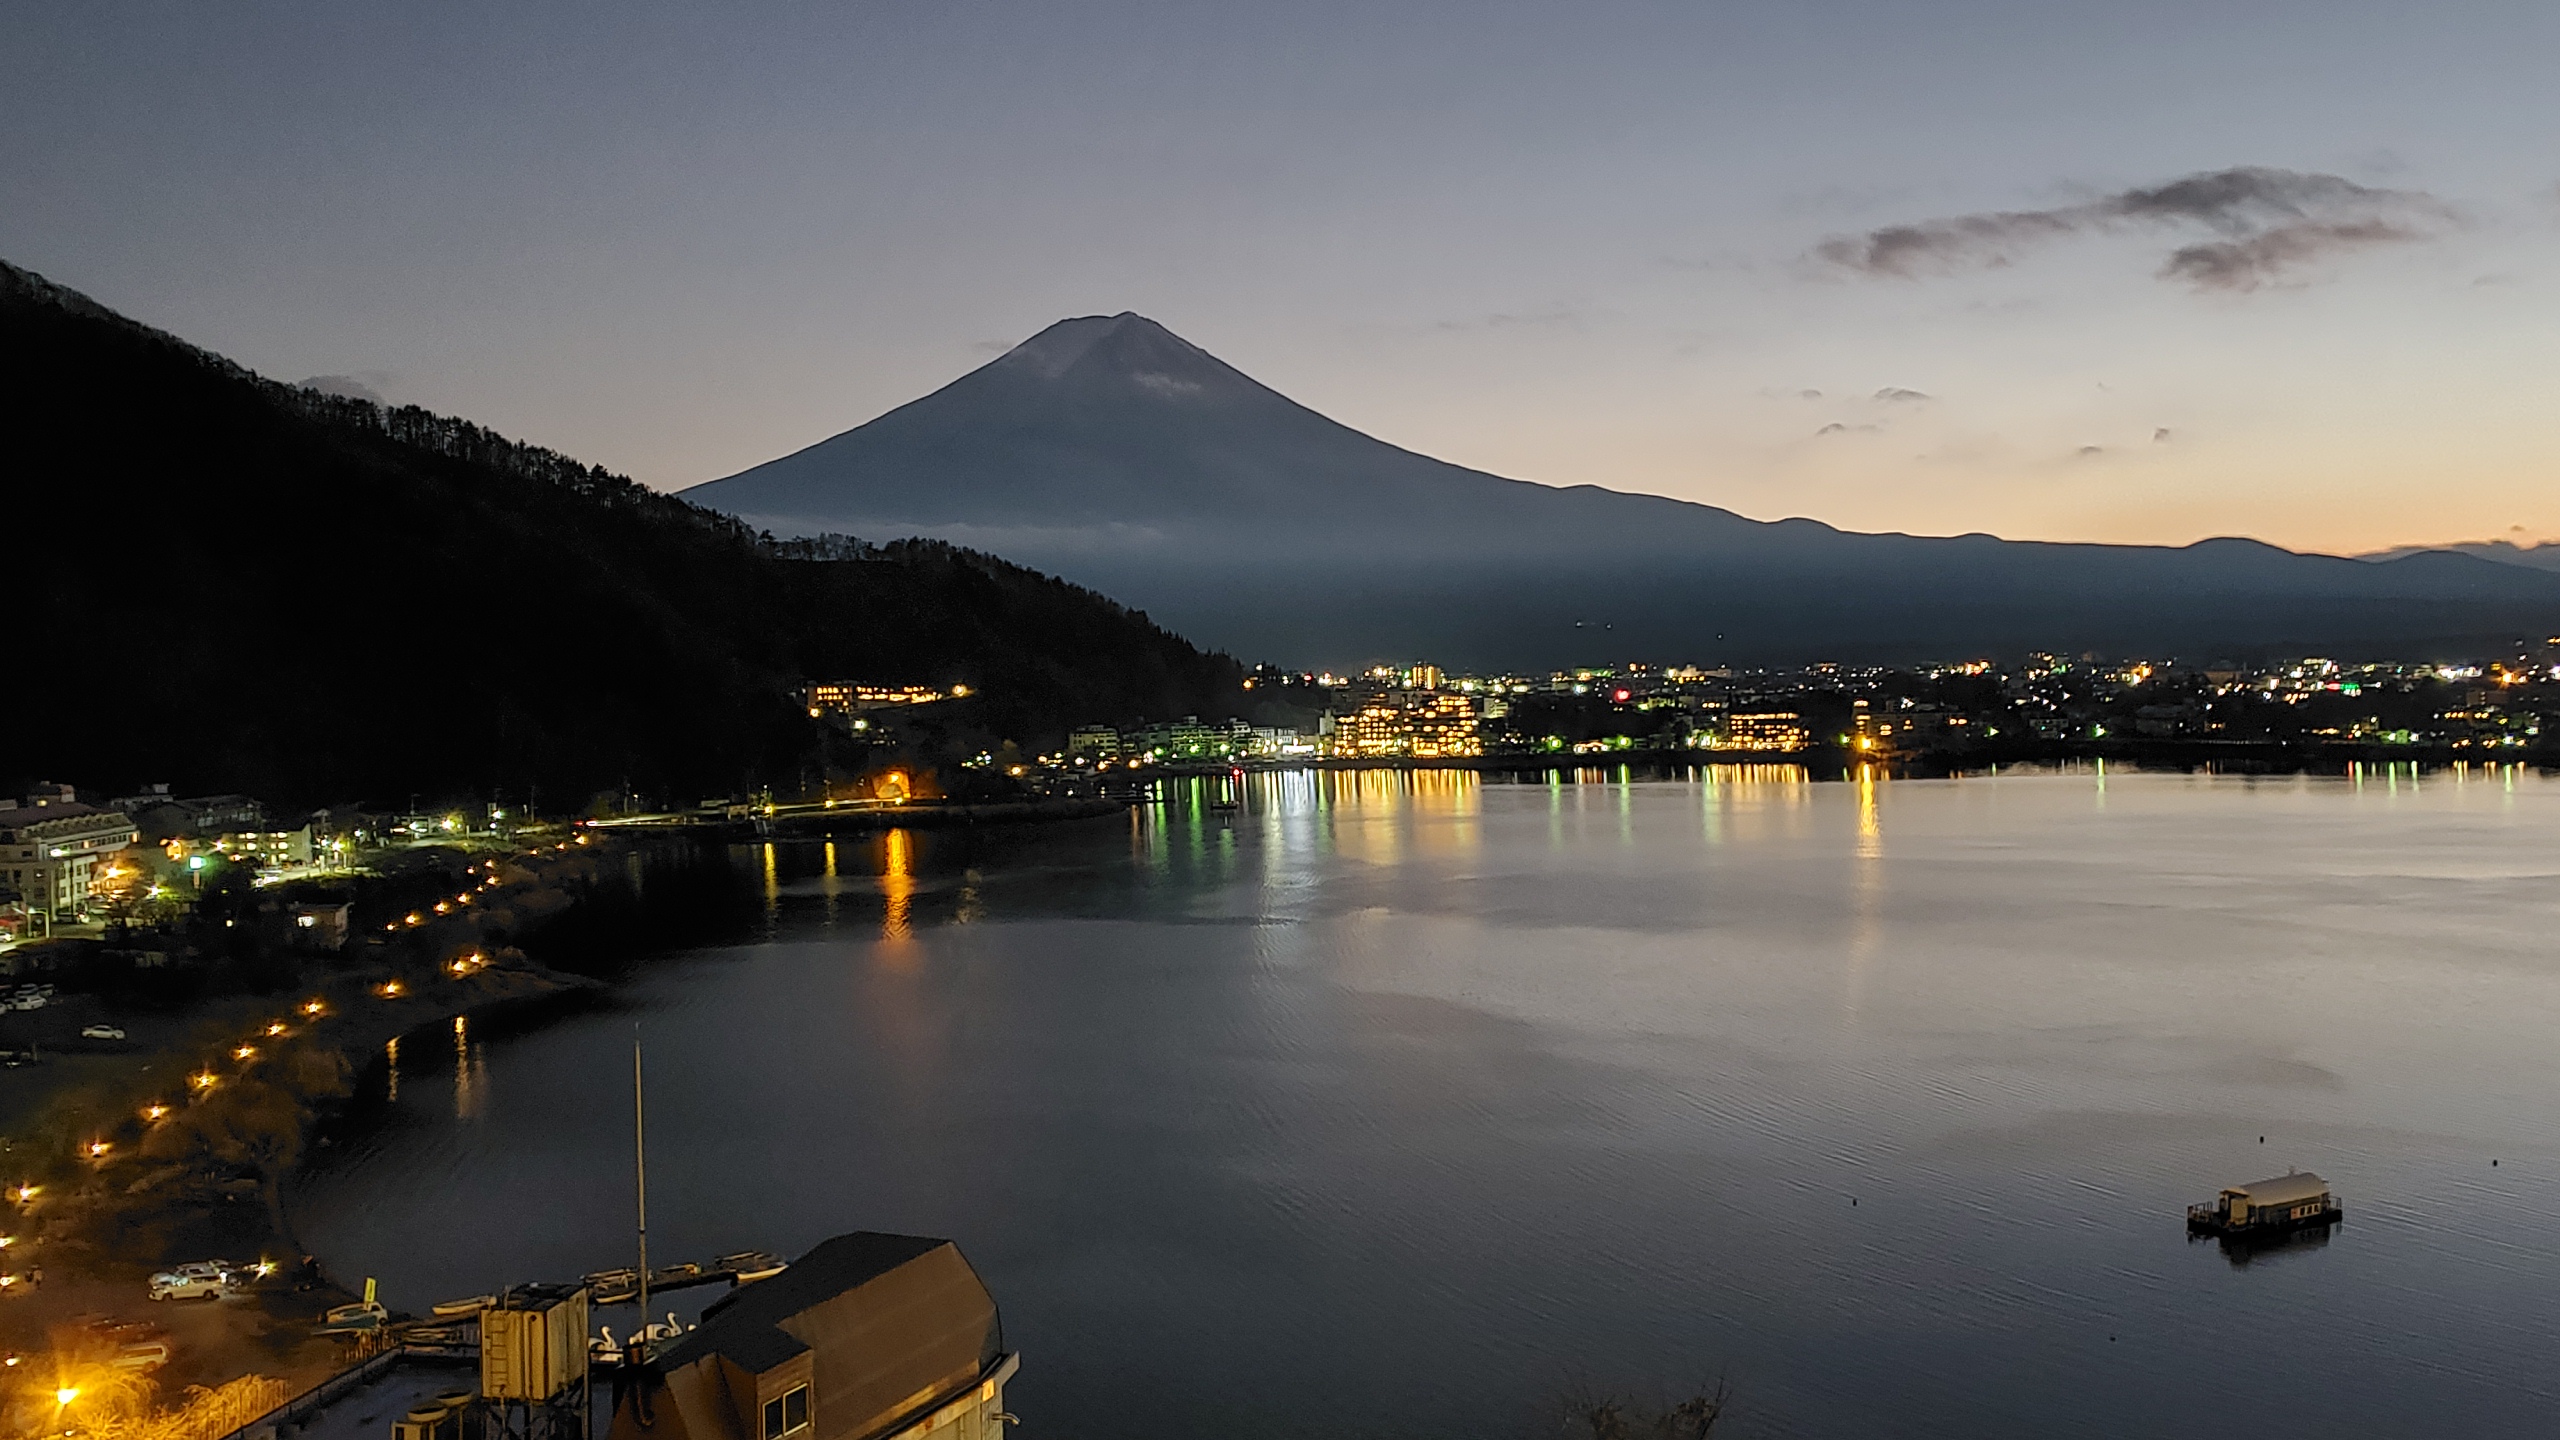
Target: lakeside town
[
  {"x": 2303, "y": 710},
  {"x": 74, "y": 865}
]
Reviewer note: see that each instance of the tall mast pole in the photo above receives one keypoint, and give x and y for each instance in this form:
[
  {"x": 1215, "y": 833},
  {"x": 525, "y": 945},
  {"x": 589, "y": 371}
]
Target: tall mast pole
[{"x": 640, "y": 1159}]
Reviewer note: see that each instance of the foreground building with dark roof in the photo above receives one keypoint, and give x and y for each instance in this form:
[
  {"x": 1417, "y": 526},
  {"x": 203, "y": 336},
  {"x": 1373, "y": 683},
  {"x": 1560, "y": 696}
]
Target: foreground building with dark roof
[{"x": 867, "y": 1337}]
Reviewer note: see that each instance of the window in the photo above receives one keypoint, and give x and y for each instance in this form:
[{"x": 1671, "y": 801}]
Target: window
[{"x": 788, "y": 1415}]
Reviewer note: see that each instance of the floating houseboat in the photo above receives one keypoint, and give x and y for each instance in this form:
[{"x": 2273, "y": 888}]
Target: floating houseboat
[{"x": 2281, "y": 1202}]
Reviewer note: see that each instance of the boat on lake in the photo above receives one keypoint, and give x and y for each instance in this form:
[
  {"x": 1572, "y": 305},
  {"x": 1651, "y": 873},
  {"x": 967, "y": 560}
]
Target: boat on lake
[
  {"x": 748, "y": 1265},
  {"x": 456, "y": 1309},
  {"x": 360, "y": 1318},
  {"x": 2280, "y": 1202}
]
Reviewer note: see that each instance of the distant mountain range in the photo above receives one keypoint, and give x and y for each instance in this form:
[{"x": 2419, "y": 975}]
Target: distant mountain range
[
  {"x": 2543, "y": 556},
  {"x": 234, "y": 584},
  {"x": 1111, "y": 451}
]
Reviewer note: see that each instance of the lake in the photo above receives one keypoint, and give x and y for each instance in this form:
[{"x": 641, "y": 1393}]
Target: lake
[{"x": 1408, "y": 1104}]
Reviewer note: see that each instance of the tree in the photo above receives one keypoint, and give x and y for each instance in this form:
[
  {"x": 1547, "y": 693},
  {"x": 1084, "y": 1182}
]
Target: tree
[{"x": 258, "y": 1125}]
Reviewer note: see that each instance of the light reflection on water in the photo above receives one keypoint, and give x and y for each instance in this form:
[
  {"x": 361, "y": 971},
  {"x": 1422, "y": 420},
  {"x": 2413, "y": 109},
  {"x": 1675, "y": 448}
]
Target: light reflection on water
[{"x": 1396, "y": 1103}]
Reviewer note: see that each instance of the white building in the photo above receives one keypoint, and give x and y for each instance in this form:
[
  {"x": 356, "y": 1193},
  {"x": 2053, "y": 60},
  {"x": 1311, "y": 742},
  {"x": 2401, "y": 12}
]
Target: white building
[{"x": 52, "y": 849}]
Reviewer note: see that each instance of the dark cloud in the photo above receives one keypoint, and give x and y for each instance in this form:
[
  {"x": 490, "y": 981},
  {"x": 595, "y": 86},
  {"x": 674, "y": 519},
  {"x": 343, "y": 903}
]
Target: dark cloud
[
  {"x": 1897, "y": 395},
  {"x": 2265, "y": 223},
  {"x": 2263, "y": 258},
  {"x": 363, "y": 385}
]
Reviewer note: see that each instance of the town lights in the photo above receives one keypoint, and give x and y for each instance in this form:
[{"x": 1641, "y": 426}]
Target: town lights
[
  {"x": 276, "y": 1028},
  {"x": 245, "y": 1052},
  {"x": 202, "y": 1081},
  {"x": 66, "y": 1394},
  {"x": 388, "y": 990},
  {"x": 154, "y": 1111},
  {"x": 98, "y": 1149},
  {"x": 313, "y": 1007},
  {"x": 25, "y": 1192}
]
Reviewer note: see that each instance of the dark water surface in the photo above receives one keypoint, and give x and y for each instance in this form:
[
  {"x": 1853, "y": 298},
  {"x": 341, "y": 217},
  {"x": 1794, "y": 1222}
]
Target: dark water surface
[{"x": 1399, "y": 1105}]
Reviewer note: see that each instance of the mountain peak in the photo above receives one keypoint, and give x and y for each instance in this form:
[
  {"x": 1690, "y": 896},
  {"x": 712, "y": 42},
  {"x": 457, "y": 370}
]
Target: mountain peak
[{"x": 1124, "y": 347}]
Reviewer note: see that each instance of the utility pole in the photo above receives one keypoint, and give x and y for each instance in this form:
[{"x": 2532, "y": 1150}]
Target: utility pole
[{"x": 640, "y": 1161}]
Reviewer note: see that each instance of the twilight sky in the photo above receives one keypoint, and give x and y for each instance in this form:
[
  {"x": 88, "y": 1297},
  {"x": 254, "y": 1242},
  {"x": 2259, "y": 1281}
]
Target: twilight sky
[{"x": 1894, "y": 264}]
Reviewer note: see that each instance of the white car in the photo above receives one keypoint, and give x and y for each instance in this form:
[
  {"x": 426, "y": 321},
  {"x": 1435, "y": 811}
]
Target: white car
[
  {"x": 208, "y": 1280},
  {"x": 101, "y": 1032}
]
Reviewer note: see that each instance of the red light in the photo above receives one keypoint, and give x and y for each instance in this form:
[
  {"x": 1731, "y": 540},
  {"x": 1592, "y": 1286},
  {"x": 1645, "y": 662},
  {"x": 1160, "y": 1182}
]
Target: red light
[{"x": 1619, "y": 695}]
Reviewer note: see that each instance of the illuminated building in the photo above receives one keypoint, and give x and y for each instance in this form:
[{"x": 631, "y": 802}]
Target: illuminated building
[
  {"x": 54, "y": 850},
  {"x": 267, "y": 849},
  {"x": 1093, "y": 742},
  {"x": 1779, "y": 730},
  {"x": 1188, "y": 740},
  {"x": 1907, "y": 731},
  {"x": 1409, "y": 724},
  {"x": 846, "y": 697}
]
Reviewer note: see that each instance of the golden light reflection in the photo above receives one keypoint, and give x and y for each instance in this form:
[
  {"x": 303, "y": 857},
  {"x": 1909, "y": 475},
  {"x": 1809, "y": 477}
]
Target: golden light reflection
[
  {"x": 470, "y": 1081},
  {"x": 897, "y": 887},
  {"x": 1866, "y": 925},
  {"x": 1870, "y": 831}
]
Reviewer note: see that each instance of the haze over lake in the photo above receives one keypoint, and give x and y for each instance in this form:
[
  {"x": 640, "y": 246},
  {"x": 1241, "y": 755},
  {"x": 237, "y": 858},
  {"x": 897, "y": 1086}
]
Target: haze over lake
[{"x": 1401, "y": 1104}]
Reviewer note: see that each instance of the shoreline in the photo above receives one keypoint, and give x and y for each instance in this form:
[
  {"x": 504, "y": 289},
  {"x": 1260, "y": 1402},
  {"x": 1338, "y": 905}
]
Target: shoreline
[{"x": 139, "y": 1162}]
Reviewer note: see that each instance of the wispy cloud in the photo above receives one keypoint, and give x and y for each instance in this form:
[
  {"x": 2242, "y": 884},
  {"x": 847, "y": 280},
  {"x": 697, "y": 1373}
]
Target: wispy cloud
[
  {"x": 2265, "y": 224},
  {"x": 1554, "y": 317}
]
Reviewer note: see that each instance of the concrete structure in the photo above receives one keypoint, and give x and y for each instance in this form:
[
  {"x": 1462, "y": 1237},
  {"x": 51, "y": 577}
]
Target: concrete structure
[
  {"x": 867, "y": 1337},
  {"x": 54, "y": 850}
]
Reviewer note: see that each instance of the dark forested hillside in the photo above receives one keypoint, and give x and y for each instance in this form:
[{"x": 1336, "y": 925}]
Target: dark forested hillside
[{"x": 234, "y": 584}]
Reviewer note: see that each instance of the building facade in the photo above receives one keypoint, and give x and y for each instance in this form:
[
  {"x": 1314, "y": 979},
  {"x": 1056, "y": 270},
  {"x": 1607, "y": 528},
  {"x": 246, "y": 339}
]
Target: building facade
[
  {"x": 1409, "y": 724},
  {"x": 53, "y": 853},
  {"x": 1779, "y": 731}
]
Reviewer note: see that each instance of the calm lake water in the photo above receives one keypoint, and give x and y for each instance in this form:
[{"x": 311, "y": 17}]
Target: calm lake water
[{"x": 1404, "y": 1105}]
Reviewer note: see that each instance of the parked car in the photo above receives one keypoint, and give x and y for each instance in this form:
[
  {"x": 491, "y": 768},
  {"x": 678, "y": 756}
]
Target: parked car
[
  {"x": 205, "y": 1280},
  {"x": 101, "y": 1032},
  {"x": 141, "y": 1355}
]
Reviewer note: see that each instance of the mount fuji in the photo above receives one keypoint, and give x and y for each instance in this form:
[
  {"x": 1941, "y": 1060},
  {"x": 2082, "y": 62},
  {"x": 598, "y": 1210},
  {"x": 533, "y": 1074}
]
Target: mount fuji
[{"x": 1113, "y": 452}]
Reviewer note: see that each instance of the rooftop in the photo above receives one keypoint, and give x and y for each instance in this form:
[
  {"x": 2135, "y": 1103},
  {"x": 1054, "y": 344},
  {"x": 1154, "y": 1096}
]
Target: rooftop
[{"x": 2282, "y": 1189}]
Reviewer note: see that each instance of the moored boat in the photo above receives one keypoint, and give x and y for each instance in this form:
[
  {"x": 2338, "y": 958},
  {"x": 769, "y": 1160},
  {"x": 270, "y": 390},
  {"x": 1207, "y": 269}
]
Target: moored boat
[{"x": 2279, "y": 1202}]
